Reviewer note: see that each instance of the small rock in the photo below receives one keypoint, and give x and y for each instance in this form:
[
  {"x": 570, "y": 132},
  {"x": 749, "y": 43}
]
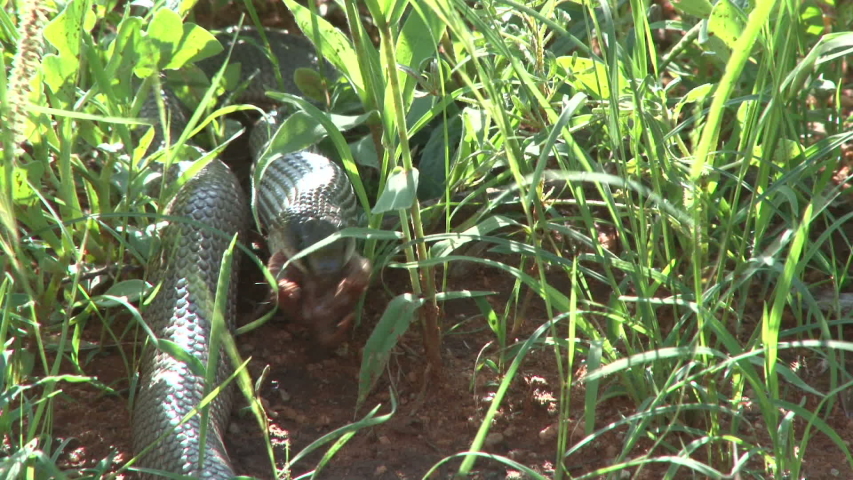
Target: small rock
[
  {"x": 611, "y": 451},
  {"x": 517, "y": 454},
  {"x": 380, "y": 470},
  {"x": 494, "y": 439},
  {"x": 75, "y": 456},
  {"x": 509, "y": 432},
  {"x": 548, "y": 433},
  {"x": 282, "y": 393},
  {"x": 233, "y": 428},
  {"x": 290, "y": 414},
  {"x": 384, "y": 440},
  {"x": 324, "y": 420}
]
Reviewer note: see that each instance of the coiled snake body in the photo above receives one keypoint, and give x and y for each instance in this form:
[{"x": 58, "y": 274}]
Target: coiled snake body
[{"x": 302, "y": 198}]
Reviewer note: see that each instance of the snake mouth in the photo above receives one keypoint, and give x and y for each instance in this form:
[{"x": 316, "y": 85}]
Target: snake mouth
[{"x": 323, "y": 304}]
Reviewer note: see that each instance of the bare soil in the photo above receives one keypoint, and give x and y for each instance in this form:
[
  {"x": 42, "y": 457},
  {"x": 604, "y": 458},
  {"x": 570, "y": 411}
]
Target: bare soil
[{"x": 308, "y": 393}]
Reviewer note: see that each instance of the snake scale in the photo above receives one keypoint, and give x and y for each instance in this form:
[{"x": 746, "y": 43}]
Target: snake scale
[{"x": 302, "y": 198}]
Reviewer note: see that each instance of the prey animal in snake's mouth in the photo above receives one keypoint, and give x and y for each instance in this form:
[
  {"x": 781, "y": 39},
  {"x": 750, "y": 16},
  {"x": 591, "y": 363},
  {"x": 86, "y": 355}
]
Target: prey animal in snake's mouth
[{"x": 325, "y": 303}]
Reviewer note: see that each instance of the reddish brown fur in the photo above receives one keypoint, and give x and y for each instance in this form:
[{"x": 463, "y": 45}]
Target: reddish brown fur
[{"x": 324, "y": 305}]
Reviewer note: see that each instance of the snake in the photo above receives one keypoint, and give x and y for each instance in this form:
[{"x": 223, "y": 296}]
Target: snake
[{"x": 302, "y": 198}]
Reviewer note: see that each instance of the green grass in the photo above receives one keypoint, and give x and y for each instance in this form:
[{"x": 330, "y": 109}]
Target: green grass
[{"x": 700, "y": 156}]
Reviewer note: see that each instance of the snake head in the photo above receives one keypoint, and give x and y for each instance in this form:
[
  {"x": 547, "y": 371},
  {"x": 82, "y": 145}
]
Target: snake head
[{"x": 329, "y": 260}]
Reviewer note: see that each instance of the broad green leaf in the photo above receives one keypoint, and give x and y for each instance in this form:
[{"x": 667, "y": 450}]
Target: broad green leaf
[
  {"x": 828, "y": 48},
  {"x": 178, "y": 353},
  {"x": 698, "y": 94},
  {"x": 165, "y": 32},
  {"x": 400, "y": 191},
  {"x": 489, "y": 314},
  {"x": 364, "y": 152},
  {"x": 23, "y": 178},
  {"x": 310, "y": 83},
  {"x": 195, "y": 44},
  {"x": 697, "y": 8},
  {"x": 591, "y": 76},
  {"x": 169, "y": 44},
  {"x": 811, "y": 17},
  {"x": 335, "y": 47},
  {"x": 296, "y": 132},
  {"x": 438, "y": 152},
  {"x": 386, "y": 11},
  {"x": 719, "y": 52},
  {"x": 130, "y": 290},
  {"x": 393, "y": 324},
  {"x": 726, "y": 22},
  {"x": 181, "y": 7},
  {"x": 416, "y": 42},
  {"x": 64, "y": 33}
]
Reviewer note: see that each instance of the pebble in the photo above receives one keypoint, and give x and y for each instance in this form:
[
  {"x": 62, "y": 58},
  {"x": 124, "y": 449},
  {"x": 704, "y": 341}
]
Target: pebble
[
  {"x": 517, "y": 454},
  {"x": 384, "y": 440},
  {"x": 380, "y": 470},
  {"x": 494, "y": 439},
  {"x": 291, "y": 414},
  {"x": 324, "y": 420},
  {"x": 548, "y": 433},
  {"x": 75, "y": 456},
  {"x": 282, "y": 393}
]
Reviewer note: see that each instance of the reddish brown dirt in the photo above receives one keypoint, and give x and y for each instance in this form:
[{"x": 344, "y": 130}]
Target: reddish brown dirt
[{"x": 307, "y": 395}]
